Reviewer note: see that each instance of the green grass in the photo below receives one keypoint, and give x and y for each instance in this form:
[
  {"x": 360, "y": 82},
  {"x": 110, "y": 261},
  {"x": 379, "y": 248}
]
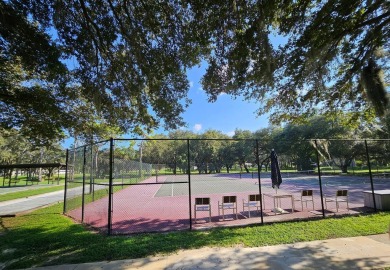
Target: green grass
[
  {"x": 45, "y": 237},
  {"x": 29, "y": 193},
  {"x": 21, "y": 180}
]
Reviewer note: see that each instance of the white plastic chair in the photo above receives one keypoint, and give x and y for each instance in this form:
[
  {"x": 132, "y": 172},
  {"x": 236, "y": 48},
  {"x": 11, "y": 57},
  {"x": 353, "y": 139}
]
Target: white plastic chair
[
  {"x": 253, "y": 202},
  {"x": 306, "y": 196},
  {"x": 228, "y": 203},
  {"x": 201, "y": 205},
  {"x": 341, "y": 196}
]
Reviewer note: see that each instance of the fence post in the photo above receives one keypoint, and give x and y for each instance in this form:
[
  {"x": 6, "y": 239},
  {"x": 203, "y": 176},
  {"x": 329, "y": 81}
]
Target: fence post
[
  {"x": 258, "y": 176},
  {"x": 189, "y": 181},
  {"x": 93, "y": 172},
  {"x": 4, "y": 177},
  {"x": 83, "y": 193},
  {"x": 66, "y": 179},
  {"x": 91, "y": 169},
  {"x": 109, "y": 225},
  {"x": 370, "y": 173},
  {"x": 319, "y": 179}
]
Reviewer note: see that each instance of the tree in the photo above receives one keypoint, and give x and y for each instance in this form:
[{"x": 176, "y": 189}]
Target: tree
[
  {"x": 32, "y": 78},
  {"x": 179, "y": 150},
  {"x": 15, "y": 148},
  {"x": 292, "y": 140},
  {"x": 130, "y": 62},
  {"x": 267, "y": 142},
  {"x": 227, "y": 154},
  {"x": 295, "y": 141},
  {"x": 335, "y": 56},
  {"x": 343, "y": 152},
  {"x": 207, "y": 149},
  {"x": 244, "y": 149},
  {"x": 154, "y": 151},
  {"x": 130, "y": 59}
]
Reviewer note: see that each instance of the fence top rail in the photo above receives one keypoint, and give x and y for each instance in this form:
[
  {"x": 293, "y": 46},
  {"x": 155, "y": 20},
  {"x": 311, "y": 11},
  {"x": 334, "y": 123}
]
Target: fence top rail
[
  {"x": 241, "y": 139},
  {"x": 223, "y": 139},
  {"x": 89, "y": 144}
]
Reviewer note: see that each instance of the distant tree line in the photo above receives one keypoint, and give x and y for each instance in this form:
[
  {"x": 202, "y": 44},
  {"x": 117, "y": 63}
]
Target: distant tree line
[{"x": 339, "y": 145}]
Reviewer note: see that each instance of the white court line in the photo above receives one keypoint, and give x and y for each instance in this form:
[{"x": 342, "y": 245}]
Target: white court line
[{"x": 154, "y": 195}]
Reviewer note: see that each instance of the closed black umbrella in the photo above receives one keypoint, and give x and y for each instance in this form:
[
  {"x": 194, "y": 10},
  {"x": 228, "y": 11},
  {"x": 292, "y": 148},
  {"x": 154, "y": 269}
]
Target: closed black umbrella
[{"x": 275, "y": 171}]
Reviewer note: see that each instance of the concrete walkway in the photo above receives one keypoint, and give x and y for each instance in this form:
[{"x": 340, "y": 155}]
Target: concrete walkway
[
  {"x": 12, "y": 189},
  {"x": 363, "y": 252},
  {"x": 14, "y": 207},
  {"x": 22, "y": 205}
]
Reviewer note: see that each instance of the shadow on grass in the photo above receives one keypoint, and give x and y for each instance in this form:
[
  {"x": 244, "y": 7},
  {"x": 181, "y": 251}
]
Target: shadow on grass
[
  {"x": 46, "y": 237},
  {"x": 60, "y": 241},
  {"x": 315, "y": 256}
]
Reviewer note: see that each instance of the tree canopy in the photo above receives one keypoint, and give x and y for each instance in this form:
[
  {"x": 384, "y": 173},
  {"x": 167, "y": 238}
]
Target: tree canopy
[
  {"x": 335, "y": 57},
  {"x": 125, "y": 62}
]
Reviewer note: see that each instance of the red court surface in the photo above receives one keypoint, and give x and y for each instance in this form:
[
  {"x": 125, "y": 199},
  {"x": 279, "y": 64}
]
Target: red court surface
[{"x": 136, "y": 209}]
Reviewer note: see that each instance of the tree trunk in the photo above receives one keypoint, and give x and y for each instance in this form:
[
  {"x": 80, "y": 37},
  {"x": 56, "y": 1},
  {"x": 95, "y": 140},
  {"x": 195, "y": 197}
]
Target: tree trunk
[
  {"x": 246, "y": 168},
  {"x": 344, "y": 168},
  {"x": 40, "y": 161},
  {"x": 71, "y": 176}
]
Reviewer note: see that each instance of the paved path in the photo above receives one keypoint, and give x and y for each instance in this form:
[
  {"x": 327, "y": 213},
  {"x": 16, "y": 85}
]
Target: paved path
[
  {"x": 17, "y": 206},
  {"x": 363, "y": 252},
  {"x": 6, "y": 189}
]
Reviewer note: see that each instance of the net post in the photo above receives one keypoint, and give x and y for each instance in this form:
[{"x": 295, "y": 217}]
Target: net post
[
  {"x": 189, "y": 181},
  {"x": 259, "y": 179},
  {"x": 109, "y": 225},
  {"x": 319, "y": 179},
  {"x": 370, "y": 173},
  {"x": 66, "y": 179}
]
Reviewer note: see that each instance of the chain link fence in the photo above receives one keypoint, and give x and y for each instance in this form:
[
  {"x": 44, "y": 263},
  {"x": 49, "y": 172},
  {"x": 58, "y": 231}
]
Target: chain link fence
[{"x": 154, "y": 185}]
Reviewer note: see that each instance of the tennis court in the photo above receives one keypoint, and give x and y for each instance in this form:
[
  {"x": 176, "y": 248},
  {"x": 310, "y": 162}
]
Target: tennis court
[
  {"x": 163, "y": 204},
  {"x": 155, "y": 185}
]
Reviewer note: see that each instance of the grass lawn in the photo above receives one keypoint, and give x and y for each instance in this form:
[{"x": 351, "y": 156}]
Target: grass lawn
[
  {"x": 28, "y": 193},
  {"x": 45, "y": 237}
]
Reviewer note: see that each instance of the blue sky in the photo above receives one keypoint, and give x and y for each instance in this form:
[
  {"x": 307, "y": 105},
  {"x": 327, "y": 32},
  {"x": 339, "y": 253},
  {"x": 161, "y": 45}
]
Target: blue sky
[{"x": 226, "y": 114}]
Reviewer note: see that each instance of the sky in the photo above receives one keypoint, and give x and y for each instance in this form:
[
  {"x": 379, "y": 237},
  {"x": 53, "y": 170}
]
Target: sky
[{"x": 225, "y": 115}]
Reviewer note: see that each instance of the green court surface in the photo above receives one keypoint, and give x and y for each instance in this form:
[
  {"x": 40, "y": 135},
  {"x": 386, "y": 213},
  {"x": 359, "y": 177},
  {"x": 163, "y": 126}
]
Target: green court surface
[{"x": 205, "y": 184}]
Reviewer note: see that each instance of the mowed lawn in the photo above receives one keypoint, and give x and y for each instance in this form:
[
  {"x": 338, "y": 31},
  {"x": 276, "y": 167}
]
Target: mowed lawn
[{"x": 46, "y": 237}]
